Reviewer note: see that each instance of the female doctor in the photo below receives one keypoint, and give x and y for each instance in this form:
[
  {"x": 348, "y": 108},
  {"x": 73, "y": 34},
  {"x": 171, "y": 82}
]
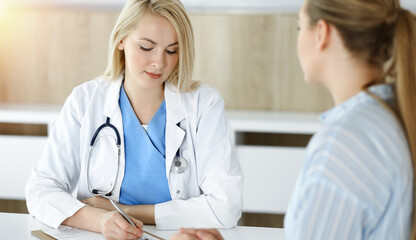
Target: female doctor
[{"x": 144, "y": 135}]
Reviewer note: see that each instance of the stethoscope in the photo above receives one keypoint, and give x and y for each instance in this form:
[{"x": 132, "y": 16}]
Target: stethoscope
[{"x": 178, "y": 166}]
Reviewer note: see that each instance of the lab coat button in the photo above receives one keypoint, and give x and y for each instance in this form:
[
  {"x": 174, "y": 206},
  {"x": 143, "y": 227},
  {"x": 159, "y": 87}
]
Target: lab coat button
[{"x": 178, "y": 191}]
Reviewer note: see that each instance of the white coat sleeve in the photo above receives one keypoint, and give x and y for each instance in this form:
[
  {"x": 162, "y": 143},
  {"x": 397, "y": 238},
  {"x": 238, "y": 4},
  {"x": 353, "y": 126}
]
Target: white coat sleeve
[
  {"x": 55, "y": 176},
  {"x": 219, "y": 175}
]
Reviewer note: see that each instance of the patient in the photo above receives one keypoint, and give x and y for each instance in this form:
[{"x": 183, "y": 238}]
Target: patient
[{"x": 357, "y": 181}]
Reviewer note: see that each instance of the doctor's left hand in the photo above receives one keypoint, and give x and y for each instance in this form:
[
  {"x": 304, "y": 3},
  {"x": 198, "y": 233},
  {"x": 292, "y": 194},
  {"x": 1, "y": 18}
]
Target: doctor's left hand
[
  {"x": 99, "y": 202},
  {"x": 197, "y": 234}
]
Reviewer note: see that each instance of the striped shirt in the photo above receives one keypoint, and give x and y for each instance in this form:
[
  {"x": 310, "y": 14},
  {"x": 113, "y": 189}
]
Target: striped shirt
[{"x": 357, "y": 179}]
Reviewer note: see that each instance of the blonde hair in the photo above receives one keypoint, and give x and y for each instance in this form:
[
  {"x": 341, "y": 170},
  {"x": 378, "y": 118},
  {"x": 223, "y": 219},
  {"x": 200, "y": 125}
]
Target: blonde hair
[
  {"x": 382, "y": 34},
  {"x": 174, "y": 12}
]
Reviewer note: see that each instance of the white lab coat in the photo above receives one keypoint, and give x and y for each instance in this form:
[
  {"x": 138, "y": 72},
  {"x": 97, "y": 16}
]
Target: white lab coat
[{"x": 207, "y": 194}]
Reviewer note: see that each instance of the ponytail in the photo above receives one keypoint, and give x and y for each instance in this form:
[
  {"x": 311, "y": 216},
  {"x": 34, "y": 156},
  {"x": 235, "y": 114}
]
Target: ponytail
[{"x": 405, "y": 65}]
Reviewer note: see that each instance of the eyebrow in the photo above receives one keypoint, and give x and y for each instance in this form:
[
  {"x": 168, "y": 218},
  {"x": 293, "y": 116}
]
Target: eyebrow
[{"x": 153, "y": 42}]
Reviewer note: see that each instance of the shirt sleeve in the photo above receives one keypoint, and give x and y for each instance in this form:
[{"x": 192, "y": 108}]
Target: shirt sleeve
[
  {"x": 55, "y": 176},
  {"x": 323, "y": 211}
]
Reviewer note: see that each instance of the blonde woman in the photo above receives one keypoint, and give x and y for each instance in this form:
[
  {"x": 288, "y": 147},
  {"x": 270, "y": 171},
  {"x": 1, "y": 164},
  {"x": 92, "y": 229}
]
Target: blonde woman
[
  {"x": 358, "y": 177},
  {"x": 144, "y": 135}
]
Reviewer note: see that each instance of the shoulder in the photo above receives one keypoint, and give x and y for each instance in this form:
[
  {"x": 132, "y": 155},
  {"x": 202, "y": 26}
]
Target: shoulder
[
  {"x": 203, "y": 94},
  {"x": 89, "y": 93},
  {"x": 198, "y": 100},
  {"x": 359, "y": 154},
  {"x": 362, "y": 130},
  {"x": 201, "y": 103},
  {"x": 97, "y": 84}
]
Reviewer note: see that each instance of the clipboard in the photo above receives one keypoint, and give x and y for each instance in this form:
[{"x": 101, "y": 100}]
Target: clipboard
[{"x": 41, "y": 235}]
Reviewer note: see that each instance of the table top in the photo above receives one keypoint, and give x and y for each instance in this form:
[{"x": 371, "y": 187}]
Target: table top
[{"x": 19, "y": 226}]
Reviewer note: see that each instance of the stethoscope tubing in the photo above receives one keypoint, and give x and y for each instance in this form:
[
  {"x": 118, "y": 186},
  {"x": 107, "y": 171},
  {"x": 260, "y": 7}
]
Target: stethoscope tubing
[
  {"x": 97, "y": 192},
  {"x": 178, "y": 166}
]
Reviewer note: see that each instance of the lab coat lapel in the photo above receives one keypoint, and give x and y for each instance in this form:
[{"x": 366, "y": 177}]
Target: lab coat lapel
[
  {"x": 174, "y": 115},
  {"x": 111, "y": 107},
  {"x": 112, "y": 110}
]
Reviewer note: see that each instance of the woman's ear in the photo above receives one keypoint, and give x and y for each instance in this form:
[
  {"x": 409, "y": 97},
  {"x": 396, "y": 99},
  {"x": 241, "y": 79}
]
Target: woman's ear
[
  {"x": 121, "y": 46},
  {"x": 322, "y": 35}
]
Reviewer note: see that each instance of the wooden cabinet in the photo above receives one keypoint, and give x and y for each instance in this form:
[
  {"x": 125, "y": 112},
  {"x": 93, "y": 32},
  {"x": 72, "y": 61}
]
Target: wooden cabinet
[
  {"x": 271, "y": 167},
  {"x": 18, "y": 153}
]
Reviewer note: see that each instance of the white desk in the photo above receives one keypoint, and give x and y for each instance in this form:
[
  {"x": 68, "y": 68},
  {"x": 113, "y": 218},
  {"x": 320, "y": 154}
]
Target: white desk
[{"x": 19, "y": 226}]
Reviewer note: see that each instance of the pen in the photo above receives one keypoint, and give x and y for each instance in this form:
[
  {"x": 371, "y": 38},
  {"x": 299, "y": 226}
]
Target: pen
[{"x": 118, "y": 208}]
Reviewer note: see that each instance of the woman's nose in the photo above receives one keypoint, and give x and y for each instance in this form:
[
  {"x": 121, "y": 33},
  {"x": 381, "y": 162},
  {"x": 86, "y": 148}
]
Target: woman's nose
[{"x": 159, "y": 60}]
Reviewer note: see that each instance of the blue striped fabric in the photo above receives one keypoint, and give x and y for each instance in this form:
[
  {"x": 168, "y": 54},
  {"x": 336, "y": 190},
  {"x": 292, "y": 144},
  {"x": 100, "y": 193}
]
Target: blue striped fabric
[{"x": 357, "y": 179}]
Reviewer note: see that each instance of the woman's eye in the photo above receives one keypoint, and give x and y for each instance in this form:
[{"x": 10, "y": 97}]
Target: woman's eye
[
  {"x": 171, "y": 52},
  {"x": 145, "y": 49}
]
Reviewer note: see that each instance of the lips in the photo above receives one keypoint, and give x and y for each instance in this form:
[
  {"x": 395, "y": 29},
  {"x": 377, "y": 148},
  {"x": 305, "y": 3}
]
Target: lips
[{"x": 153, "y": 75}]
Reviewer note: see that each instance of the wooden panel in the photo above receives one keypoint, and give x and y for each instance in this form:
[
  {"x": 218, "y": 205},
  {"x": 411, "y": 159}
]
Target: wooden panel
[
  {"x": 262, "y": 220},
  {"x": 23, "y": 129},
  {"x": 46, "y": 53},
  {"x": 251, "y": 59},
  {"x": 13, "y": 206}
]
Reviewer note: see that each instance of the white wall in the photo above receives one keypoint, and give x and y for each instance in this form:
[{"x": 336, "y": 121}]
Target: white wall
[{"x": 192, "y": 5}]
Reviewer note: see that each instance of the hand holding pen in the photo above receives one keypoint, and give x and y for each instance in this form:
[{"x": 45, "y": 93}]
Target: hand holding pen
[
  {"x": 118, "y": 208},
  {"x": 113, "y": 226},
  {"x": 116, "y": 223}
]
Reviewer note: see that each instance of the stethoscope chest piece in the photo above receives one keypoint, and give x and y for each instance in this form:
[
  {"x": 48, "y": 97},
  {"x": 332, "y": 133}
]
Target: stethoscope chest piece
[{"x": 179, "y": 165}]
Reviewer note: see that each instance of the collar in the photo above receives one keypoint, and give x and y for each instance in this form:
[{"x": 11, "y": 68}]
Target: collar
[
  {"x": 383, "y": 91},
  {"x": 111, "y": 106},
  {"x": 175, "y": 112},
  {"x": 174, "y": 106}
]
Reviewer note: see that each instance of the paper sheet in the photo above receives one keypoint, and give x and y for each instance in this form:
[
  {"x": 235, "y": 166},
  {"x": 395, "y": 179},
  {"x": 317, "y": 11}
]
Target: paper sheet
[{"x": 69, "y": 233}]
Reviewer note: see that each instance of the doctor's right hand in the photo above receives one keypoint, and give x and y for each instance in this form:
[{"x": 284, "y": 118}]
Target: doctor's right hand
[{"x": 113, "y": 226}]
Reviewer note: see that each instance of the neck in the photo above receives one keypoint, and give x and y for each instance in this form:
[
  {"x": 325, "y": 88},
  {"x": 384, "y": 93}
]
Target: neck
[
  {"x": 145, "y": 101},
  {"x": 144, "y": 96},
  {"x": 348, "y": 79}
]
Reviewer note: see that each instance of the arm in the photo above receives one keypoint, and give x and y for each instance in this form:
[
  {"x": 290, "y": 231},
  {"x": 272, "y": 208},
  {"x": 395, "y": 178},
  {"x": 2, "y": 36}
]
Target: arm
[
  {"x": 218, "y": 173},
  {"x": 110, "y": 223},
  {"x": 146, "y": 213},
  {"x": 55, "y": 176},
  {"x": 322, "y": 211}
]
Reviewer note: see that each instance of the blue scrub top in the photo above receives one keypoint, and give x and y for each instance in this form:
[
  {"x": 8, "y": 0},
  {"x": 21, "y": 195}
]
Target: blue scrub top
[{"x": 145, "y": 180}]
